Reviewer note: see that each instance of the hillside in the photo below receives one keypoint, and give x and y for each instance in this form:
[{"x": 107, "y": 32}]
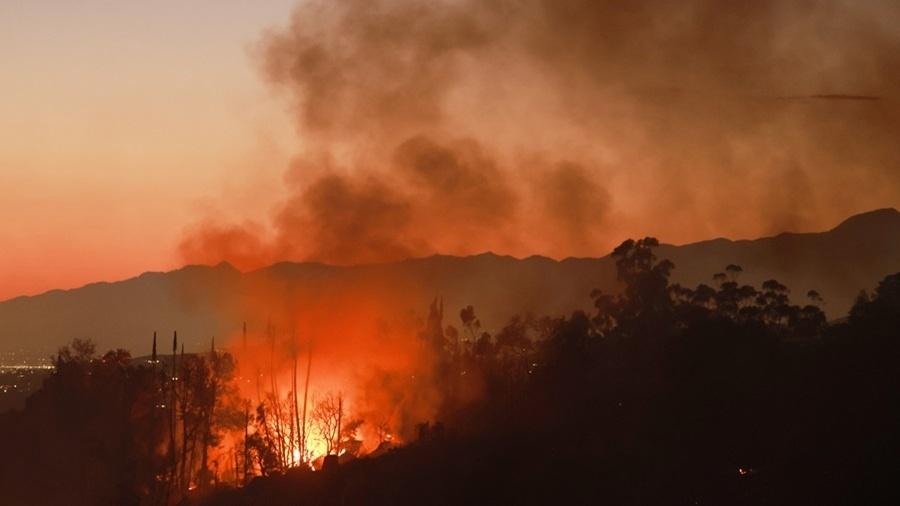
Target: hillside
[{"x": 201, "y": 302}]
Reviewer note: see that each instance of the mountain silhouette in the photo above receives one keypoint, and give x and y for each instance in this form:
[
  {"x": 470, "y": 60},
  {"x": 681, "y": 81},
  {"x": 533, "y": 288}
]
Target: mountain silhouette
[{"x": 204, "y": 301}]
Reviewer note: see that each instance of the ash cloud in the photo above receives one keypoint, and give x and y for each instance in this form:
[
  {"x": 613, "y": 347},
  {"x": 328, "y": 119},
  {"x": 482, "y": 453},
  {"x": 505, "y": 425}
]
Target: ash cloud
[{"x": 561, "y": 127}]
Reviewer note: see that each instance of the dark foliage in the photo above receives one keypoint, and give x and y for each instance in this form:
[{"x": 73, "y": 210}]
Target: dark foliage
[
  {"x": 666, "y": 395},
  {"x": 97, "y": 430},
  {"x": 720, "y": 394}
]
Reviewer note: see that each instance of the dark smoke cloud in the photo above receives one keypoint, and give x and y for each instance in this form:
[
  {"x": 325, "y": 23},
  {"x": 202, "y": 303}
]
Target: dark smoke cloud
[
  {"x": 562, "y": 126},
  {"x": 347, "y": 219},
  {"x": 574, "y": 201},
  {"x": 461, "y": 182},
  {"x": 358, "y": 66}
]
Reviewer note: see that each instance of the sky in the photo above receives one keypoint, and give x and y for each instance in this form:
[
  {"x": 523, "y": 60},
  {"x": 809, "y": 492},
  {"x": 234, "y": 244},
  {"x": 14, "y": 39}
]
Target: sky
[
  {"x": 141, "y": 136},
  {"x": 120, "y": 121}
]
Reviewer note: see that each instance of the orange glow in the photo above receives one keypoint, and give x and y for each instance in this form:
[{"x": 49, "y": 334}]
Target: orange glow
[{"x": 360, "y": 349}]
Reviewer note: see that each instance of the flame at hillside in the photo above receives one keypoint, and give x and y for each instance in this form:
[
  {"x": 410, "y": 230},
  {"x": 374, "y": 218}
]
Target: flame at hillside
[{"x": 329, "y": 374}]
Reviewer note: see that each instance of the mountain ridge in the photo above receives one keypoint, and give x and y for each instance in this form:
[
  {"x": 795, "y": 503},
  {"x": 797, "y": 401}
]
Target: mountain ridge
[
  {"x": 864, "y": 216},
  {"x": 839, "y": 262}
]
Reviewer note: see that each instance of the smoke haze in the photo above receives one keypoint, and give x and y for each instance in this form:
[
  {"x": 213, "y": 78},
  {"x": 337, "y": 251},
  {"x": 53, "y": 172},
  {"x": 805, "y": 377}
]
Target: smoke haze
[{"x": 562, "y": 127}]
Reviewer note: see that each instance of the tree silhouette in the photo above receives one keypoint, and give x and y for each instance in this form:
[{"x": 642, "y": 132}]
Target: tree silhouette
[{"x": 328, "y": 415}]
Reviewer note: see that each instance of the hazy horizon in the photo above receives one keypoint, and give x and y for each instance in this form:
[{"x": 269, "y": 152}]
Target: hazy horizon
[{"x": 486, "y": 252}]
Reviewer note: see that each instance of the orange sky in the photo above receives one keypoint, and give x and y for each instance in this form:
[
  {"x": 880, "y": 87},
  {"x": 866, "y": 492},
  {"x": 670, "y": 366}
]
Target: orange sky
[{"x": 120, "y": 122}]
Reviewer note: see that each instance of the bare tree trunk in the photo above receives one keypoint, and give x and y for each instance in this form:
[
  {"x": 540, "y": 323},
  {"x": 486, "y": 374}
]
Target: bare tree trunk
[
  {"x": 246, "y": 445},
  {"x": 289, "y": 445},
  {"x": 296, "y": 408},
  {"x": 234, "y": 465},
  {"x": 259, "y": 397},
  {"x": 276, "y": 400},
  {"x": 184, "y": 427},
  {"x": 172, "y": 402},
  {"x": 303, "y": 450},
  {"x": 209, "y": 414},
  {"x": 188, "y": 469},
  {"x": 291, "y": 411},
  {"x": 340, "y": 413}
]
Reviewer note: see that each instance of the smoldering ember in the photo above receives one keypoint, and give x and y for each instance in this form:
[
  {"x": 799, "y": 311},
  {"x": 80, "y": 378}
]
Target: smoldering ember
[{"x": 450, "y": 252}]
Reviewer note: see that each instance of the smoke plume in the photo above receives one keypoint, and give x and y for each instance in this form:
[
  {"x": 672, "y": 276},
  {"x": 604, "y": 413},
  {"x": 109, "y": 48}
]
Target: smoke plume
[{"x": 560, "y": 127}]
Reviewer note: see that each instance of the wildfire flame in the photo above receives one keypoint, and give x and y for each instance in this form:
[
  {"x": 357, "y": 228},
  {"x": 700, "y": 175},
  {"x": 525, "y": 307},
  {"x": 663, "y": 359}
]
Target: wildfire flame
[{"x": 358, "y": 353}]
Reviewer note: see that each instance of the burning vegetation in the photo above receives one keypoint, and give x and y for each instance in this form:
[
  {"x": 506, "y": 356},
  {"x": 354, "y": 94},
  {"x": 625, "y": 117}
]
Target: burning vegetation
[{"x": 667, "y": 392}]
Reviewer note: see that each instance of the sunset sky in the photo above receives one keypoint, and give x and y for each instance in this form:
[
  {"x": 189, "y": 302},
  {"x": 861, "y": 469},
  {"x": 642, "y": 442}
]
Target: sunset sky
[
  {"x": 139, "y": 136},
  {"x": 119, "y": 120}
]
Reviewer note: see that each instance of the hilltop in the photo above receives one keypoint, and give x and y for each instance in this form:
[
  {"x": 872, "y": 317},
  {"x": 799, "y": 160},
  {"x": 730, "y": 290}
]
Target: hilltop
[{"x": 205, "y": 301}]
